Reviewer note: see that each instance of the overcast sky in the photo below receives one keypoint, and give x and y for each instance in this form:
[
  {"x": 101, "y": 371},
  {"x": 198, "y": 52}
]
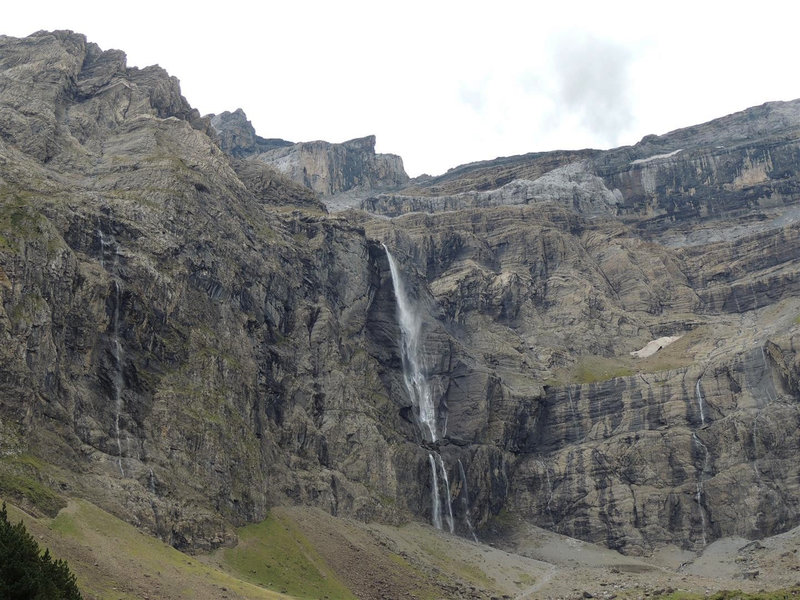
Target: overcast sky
[{"x": 444, "y": 83}]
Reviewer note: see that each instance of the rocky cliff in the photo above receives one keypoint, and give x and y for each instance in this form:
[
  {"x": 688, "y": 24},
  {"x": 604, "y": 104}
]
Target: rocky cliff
[
  {"x": 327, "y": 169},
  {"x": 191, "y": 338}
]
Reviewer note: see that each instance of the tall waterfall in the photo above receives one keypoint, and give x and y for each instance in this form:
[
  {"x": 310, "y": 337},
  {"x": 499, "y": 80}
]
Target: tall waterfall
[{"x": 419, "y": 391}]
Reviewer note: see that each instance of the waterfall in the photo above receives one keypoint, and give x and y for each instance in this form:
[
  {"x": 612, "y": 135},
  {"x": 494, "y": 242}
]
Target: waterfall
[
  {"x": 435, "y": 506},
  {"x": 699, "y": 395},
  {"x": 465, "y": 500},
  {"x": 446, "y": 481},
  {"x": 108, "y": 248},
  {"x": 419, "y": 390},
  {"x": 700, "y": 488}
]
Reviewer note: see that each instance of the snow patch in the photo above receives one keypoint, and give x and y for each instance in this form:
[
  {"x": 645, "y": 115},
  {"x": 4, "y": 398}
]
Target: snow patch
[
  {"x": 654, "y": 346},
  {"x": 641, "y": 161}
]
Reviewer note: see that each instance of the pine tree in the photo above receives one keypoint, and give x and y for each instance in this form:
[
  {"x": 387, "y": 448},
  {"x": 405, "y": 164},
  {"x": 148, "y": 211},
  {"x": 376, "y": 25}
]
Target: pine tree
[{"x": 25, "y": 574}]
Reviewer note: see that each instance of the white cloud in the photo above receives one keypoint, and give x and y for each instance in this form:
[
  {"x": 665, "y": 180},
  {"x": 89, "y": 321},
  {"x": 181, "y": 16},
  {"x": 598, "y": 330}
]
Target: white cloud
[{"x": 591, "y": 77}]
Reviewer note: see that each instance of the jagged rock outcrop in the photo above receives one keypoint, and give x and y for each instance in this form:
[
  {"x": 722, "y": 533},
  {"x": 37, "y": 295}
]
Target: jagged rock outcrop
[
  {"x": 237, "y": 136},
  {"x": 186, "y": 351},
  {"x": 329, "y": 169}
]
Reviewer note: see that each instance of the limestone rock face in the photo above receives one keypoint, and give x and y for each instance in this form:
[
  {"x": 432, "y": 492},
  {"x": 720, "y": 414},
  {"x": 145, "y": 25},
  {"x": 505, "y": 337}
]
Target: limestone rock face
[
  {"x": 181, "y": 346},
  {"x": 189, "y": 337},
  {"x": 329, "y": 169},
  {"x": 548, "y": 283},
  {"x": 237, "y": 136}
]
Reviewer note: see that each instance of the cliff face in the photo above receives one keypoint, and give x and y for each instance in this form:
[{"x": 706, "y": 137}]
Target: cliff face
[
  {"x": 184, "y": 350},
  {"x": 325, "y": 168},
  {"x": 332, "y": 168},
  {"x": 554, "y": 280}
]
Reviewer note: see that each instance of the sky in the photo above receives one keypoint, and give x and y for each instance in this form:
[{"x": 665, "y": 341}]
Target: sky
[{"x": 444, "y": 83}]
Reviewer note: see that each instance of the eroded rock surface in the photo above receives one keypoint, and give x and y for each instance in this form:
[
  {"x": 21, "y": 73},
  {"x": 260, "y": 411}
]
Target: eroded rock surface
[{"x": 189, "y": 337}]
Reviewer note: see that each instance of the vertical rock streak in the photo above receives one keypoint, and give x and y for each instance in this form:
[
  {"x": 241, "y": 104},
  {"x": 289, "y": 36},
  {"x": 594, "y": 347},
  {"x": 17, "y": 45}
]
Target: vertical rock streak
[
  {"x": 108, "y": 247},
  {"x": 419, "y": 389},
  {"x": 465, "y": 499}
]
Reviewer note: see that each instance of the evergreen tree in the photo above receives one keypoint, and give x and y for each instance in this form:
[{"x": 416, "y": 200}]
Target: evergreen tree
[{"x": 25, "y": 574}]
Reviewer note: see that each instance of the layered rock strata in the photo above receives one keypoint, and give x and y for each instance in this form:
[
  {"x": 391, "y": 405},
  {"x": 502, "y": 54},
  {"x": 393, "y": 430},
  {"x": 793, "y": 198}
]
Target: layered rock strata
[{"x": 189, "y": 338}]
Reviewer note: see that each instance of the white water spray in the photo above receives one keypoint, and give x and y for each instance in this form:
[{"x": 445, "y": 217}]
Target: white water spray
[
  {"x": 419, "y": 389},
  {"x": 465, "y": 499}
]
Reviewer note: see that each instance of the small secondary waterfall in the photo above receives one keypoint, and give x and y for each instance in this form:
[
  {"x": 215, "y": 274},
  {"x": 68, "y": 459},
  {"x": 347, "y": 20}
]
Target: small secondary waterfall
[
  {"x": 419, "y": 390},
  {"x": 700, "y": 488},
  {"x": 108, "y": 249},
  {"x": 465, "y": 499},
  {"x": 700, "y": 401},
  {"x": 450, "y": 522},
  {"x": 435, "y": 506}
]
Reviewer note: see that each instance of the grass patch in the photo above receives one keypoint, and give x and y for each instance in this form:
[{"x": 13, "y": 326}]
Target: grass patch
[
  {"x": 591, "y": 369},
  {"x": 20, "y": 481},
  {"x": 443, "y": 559},
  {"x": 276, "y": 555},
  {"x": 113, "y": 560},
  {"x": 525, "y": 579},
  {"x": 18, "y": 219},
  {"x": 595, "y": 369}
]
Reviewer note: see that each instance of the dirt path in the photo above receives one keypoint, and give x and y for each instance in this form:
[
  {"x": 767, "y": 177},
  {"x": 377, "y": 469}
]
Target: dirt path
[{"x": 526, "y": 594}]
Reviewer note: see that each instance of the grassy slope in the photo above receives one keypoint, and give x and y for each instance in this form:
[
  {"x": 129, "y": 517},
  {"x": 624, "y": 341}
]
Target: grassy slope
[
  {"x": 113, "y": 560},
  {"x": 275, "y": 554}
]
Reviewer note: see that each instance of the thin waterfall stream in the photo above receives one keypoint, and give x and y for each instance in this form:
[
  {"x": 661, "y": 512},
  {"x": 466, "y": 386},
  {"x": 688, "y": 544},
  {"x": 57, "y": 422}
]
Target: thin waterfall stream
[
  {"x": 700, "y": 401},
  {"x": 700, "y": 491},
  {"x": 450, "y": 522},
  {"x": 435, "y": 506},
  {"x": 420, "y": 393}
]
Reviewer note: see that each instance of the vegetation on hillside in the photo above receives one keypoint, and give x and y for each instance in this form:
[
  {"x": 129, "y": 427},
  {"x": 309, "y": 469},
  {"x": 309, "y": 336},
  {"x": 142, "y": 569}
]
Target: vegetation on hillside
[{"x": 26, "y": 573}]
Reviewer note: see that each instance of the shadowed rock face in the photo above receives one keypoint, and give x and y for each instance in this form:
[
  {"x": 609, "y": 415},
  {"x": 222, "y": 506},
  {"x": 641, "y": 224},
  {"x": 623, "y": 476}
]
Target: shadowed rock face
[{"x": 191, "y": 338}]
